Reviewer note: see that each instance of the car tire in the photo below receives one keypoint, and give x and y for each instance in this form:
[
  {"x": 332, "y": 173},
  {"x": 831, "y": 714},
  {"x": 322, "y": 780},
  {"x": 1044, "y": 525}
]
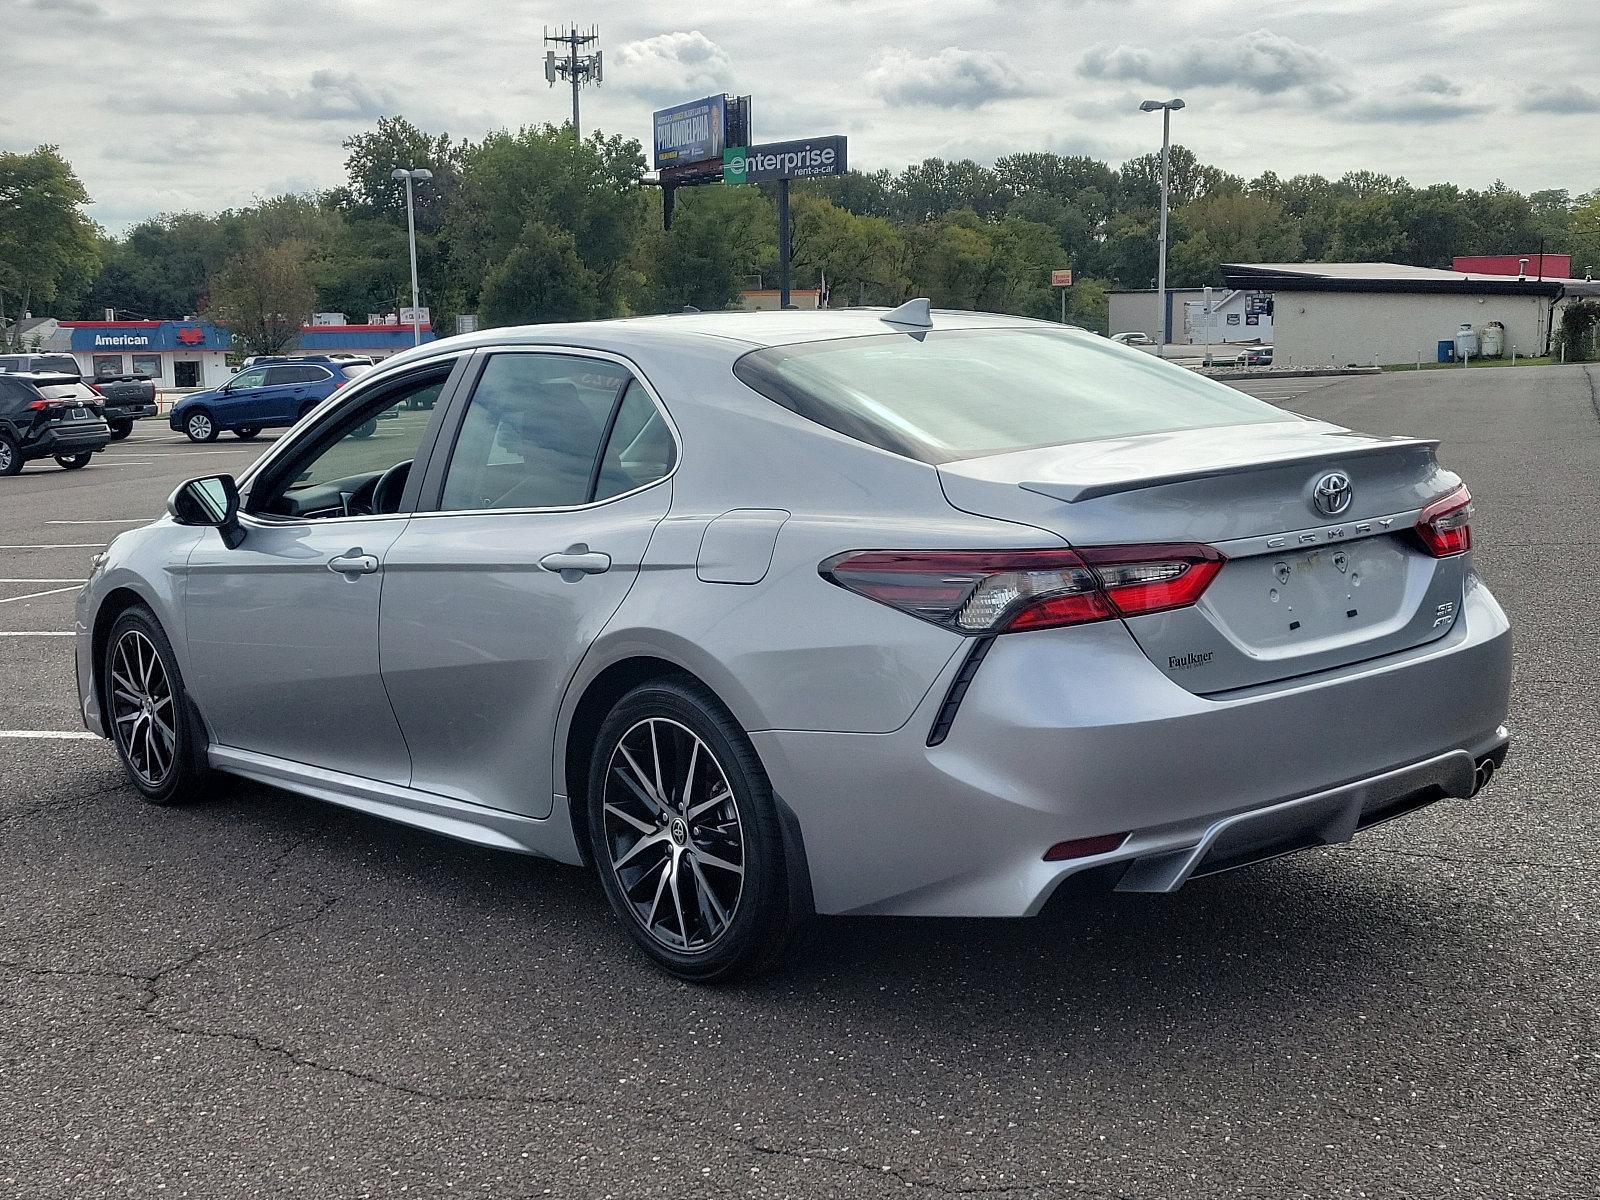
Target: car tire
[
  {"x": 10, "y": 455},
  {"x": 141, "y": 683},
  {"x": 246, "y": 432},
  {"x": 200, "y": 426},
  {"x": 365, "y": 430},
  {"x": 654, "y": 859},
  {"x": 120, "y": 430},
  {"x": 71, "y": 462},
  {"x": 306, "y": 410}
]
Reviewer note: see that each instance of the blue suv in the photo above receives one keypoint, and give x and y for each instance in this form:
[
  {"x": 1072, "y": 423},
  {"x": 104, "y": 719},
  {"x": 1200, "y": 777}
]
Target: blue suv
[{"x": 276, "y": 391}]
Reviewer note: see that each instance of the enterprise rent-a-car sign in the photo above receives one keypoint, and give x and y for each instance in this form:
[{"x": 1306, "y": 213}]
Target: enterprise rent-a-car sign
[
  {"x": 691, "y": 133},
  {"x": 802, "y": 159}
]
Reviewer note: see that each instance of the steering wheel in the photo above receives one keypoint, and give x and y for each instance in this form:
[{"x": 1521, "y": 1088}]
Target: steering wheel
[{"x": 386, "y": 492}]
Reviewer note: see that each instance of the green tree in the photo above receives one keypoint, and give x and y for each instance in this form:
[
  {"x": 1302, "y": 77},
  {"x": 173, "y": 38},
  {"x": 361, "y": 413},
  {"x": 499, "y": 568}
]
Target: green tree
[
  {"x": 863, "y": 259},
  {"x": 1228, "y": 227},
  {"x": 263, "y": 296},
  {"x": 720, "y": 236},
  {"x": 395, "y": 142},
  {"x": 542, "y": 279},
  {"x": 45, "y": 237},
  {"x": 589, "y": 189}
]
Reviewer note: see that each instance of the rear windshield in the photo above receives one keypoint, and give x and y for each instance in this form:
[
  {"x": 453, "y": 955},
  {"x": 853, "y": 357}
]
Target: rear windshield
[
  {"x": 965, "y": 393},
  {"x": 63, "y": 363},
  {"x": 351, "y": 370}
]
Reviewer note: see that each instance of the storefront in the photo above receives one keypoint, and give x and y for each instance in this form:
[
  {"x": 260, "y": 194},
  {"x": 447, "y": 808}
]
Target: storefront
[
  {"x": 379, "y": 341},
  {"x": 176, "y": 354}
]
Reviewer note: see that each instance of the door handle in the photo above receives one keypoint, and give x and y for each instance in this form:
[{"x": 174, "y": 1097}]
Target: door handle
[
  {"x": 353, "y": 562},
  {"x": 575, "y": 561}
]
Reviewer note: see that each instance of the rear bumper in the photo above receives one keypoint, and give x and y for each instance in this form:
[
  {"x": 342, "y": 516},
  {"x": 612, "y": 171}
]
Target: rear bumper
[
  {"x": 1074, "y": 733},
  {"x": 69, "y": 441},
  {"x": 128, "y": 412}
]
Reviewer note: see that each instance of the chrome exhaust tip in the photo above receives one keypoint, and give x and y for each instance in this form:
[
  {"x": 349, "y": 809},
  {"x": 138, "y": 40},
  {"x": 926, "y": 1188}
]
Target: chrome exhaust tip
[{"x": 1481, "y": 774}]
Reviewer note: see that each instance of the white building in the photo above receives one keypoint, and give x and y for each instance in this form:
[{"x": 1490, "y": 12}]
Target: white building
[
  {"x": 1387, "y": 313},
  {"x": 1234, "y": 315}
]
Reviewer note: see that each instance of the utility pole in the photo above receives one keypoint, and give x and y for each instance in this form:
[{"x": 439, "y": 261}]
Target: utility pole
[{"x": 577, "y": 69}]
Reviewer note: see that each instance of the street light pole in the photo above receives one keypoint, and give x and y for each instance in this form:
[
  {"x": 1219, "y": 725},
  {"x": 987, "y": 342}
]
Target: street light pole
[
  {"x": 1166, "y": 107},
  {"x": 409, "y": 174}
]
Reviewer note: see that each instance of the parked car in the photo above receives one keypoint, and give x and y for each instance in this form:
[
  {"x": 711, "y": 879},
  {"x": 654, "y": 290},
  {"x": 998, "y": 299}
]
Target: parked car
[
  {"x": 279, "y": 392},
  {"x": 848, "y": 611},
  {"x": 123, "y": 399},
  {"x": 1133, "y": 339},
  {"x": 1258, "y": 356},
  {"x": 49, "y": 415}
]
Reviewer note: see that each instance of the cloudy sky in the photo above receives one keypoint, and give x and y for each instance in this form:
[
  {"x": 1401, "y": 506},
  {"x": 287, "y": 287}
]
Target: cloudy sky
[{"x": 164, "y": 107}]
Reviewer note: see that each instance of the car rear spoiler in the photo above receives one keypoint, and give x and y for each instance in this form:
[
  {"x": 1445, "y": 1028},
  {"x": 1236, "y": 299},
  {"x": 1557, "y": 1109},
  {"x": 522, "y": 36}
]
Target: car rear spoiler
[{"x": 1072, "y": 493}]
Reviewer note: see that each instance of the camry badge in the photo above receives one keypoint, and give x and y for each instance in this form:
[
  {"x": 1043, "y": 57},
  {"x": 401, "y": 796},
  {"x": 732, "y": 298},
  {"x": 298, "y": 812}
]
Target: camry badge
[{"x": 1332, "y": 494}]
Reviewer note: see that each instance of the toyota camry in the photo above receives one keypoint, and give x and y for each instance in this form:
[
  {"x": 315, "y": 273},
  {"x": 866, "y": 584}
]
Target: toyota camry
[{"x": 761, "y": 615}]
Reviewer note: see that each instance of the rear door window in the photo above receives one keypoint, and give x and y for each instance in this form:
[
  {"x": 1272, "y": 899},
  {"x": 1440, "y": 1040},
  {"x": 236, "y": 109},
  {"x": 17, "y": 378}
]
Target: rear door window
[{"x": 532, "y": 433}]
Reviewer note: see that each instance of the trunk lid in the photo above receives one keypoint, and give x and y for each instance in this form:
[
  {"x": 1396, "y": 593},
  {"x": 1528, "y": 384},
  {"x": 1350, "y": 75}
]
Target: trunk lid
[{"x": 1303, "y": 589}]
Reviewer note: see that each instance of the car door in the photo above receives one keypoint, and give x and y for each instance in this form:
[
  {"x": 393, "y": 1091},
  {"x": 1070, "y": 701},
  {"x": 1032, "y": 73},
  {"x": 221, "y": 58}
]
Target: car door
[
  {"x": 282, "y": 631},
  {"x": 241, "y": 395},
  {"x": 298, "y": 387},
  {"x": 540, "y": 516}
]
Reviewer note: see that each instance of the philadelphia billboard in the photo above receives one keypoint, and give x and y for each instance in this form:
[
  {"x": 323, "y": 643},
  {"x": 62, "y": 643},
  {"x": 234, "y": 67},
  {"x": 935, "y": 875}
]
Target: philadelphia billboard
[{"x": 691, "y": 133}]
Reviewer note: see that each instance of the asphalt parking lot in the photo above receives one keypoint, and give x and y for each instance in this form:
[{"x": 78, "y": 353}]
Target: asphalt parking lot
[{"x": 262, "y": 995}]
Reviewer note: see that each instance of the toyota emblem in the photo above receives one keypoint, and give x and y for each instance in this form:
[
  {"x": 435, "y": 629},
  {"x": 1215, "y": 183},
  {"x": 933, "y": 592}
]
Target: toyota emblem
[{"x": 1332, "y": 494}]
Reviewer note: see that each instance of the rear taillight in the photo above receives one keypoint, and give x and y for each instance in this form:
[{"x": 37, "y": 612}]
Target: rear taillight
[
  {"x": 1445, "y": 526},
  {"x": 1007, "y": 591},
  {"x": 95, "y": 388}
]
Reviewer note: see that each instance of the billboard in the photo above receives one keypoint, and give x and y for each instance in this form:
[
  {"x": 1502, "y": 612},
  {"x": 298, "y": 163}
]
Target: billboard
[
  {"x": 691, "y": 133},
  {"x": 806, "y": 158},
  {"x": 1061, "y": 278}
]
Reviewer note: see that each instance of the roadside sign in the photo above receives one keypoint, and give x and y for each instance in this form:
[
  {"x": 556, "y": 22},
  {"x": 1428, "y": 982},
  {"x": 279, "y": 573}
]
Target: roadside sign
[
  {"x": 1061, "y": 278},
  {"x": 806, "y": 158},
  {"x": 691, "y": 133}
]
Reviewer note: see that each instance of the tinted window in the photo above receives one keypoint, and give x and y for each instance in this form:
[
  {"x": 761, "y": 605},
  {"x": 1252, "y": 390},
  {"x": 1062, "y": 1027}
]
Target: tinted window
[
  {"x": 640, "y": 449},
  {"x": 961, "y": 394},
  {"x": 64, "y": 363},
  {"x": 351, "y": 370},
  {"x": 279, "y": 376},
  {"x": 532, "y": 431},
  {"x": 10, "y": 362}
]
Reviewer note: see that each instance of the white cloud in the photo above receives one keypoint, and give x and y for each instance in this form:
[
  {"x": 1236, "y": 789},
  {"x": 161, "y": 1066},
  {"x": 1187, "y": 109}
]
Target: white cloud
[
  {"x": 1263, "y": 62},
  {"x": 672, "y": 66},
  {"x": 952, "y": 78}
]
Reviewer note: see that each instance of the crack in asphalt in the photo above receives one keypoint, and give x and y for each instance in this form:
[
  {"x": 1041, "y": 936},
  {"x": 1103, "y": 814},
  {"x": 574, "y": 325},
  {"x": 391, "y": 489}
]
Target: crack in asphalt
[
  {"x": 151, "y": 994},
  {"x": 1475, "y": 862}
]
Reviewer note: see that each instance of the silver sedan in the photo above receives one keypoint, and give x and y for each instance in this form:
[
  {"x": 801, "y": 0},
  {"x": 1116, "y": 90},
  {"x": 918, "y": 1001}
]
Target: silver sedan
[{"x": 761, "y": 615}]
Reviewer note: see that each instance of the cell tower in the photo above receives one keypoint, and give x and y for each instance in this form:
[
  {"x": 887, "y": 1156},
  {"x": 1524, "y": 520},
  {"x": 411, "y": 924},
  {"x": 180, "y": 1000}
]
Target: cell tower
[{"x": 577, "y": 69}]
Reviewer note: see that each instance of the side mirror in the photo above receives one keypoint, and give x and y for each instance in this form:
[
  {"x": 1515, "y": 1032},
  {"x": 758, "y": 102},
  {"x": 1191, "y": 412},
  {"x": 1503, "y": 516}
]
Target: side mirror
[{"x": 212, "y": 500}]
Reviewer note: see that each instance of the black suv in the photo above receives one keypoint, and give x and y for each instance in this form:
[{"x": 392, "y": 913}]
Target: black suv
[{"x": 49, "y": 416}]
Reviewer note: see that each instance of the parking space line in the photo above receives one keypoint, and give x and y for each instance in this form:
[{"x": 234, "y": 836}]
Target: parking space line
[
  {"x": 36, "y": 633},
  {"x": 36, "y": 595},
  {"x": 20, "y": 579},
  {"x": 52, "y": 734}
]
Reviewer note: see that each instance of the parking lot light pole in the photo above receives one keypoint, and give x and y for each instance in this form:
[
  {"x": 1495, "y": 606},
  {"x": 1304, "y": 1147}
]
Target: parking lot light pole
[
  {"x": 418, "y": 174},
  {"x": 1167, "y": 107}
]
